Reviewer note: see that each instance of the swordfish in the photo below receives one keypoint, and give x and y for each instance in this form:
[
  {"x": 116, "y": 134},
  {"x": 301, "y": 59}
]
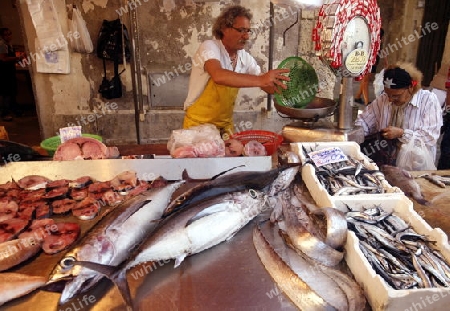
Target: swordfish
[{"x": 109, "y": 242}]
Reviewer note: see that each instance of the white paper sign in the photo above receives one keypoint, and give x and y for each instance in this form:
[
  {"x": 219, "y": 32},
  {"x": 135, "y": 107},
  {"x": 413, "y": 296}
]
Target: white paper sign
[
  {"x": 327, "y": 156},
  {"x": 69, "y": 132}
]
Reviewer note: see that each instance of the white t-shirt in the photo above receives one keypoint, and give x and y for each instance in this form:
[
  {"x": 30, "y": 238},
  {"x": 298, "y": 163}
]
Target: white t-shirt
[{"x": 214, "y": 49}]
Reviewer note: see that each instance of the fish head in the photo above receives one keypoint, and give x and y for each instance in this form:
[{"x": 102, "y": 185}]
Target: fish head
[
  {"x": 251, "y": 202},
  {"x": 65, "y": 269}
]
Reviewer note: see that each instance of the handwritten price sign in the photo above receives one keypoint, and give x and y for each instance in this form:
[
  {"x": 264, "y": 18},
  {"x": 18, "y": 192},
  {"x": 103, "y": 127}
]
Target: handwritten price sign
[{"x": 327, "y": 156}]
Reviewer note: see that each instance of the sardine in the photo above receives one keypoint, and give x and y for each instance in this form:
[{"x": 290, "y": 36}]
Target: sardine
[{"x": 110, "y": 240}]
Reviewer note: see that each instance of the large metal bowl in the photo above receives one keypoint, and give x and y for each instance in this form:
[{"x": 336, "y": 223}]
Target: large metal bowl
[{"x": 318, "y": 108}]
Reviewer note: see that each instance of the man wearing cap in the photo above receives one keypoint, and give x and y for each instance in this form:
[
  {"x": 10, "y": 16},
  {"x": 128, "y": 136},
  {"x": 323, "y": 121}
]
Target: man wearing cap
[{"x": 404, "y": 109}]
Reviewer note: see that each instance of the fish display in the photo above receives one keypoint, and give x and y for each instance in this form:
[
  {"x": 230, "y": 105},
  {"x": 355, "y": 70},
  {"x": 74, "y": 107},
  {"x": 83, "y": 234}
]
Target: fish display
[
  {"x": 402, "y": 179},
  {"x": 164, "y": 224},
  {"x": 401, "y": 256},
  {"x": 347, "y": 177},
  {"x": 304, "y": 236},
  {"x": 308, "y": 283},
  {"x": 110, "y": 241}
]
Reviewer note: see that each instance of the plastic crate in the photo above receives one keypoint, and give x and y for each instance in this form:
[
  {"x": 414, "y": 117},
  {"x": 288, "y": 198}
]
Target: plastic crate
[{"x": 270, "y": 140}]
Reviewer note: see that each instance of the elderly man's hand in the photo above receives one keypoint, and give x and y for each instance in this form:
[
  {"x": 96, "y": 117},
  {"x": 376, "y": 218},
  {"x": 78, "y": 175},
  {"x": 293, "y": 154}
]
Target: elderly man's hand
[{"x": 392, "y": 132}]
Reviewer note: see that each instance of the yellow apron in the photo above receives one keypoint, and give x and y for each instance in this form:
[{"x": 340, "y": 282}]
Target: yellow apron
[{"x": 215, "y": 105}]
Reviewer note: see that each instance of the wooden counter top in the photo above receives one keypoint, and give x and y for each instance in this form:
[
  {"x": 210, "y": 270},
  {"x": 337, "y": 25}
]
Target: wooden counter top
[{"x": 437, "y": 215}]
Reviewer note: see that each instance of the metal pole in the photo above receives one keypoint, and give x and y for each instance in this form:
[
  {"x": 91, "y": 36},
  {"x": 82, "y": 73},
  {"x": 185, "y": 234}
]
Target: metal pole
[
  {"x": 135, "y": 66},
  {"x": 345, "y": 121},
  {"x": 271, "y": 39}
]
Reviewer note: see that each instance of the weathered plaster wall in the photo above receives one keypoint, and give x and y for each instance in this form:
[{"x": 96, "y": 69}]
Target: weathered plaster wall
[
  {"x": 400, "y": 19},
  {"x": 169, "y": 32}
]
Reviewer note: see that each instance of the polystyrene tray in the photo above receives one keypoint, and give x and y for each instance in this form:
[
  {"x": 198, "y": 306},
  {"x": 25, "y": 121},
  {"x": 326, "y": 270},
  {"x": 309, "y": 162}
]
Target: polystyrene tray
[
  {"x": 317, "y": 191},
  {"x": 380, "y": 295}
]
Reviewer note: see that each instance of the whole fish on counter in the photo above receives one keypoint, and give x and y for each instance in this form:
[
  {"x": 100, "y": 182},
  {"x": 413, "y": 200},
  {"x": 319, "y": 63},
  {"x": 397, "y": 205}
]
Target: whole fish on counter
[
  {"x": 15, "y": 285},
  {"x": 401, "y": 178},
  {"x": 109, "y": 242},
  {"x": 238, "y": 181},
  {"x": 436, "y": 179},
  {"x": 16, "y": 251},
  {"x": 189, "y": 231}
]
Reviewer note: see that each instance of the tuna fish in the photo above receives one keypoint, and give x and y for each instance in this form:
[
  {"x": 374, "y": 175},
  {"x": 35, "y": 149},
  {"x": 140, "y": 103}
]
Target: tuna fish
[
  {"x": 189, "y": 231},
  {"x": 110, "y": 240},
  {"x": 226, "y": 184}
]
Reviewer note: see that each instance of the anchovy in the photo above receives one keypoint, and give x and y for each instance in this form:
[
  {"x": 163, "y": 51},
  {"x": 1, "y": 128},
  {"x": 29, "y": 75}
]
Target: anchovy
[
  {"x": 425, "y": 280},
  {"x": 367, "y": 218}
]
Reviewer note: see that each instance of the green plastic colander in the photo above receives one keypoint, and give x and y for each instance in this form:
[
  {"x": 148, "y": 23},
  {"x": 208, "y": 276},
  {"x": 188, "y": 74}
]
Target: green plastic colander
[
  {"x": 302, "y": 87},
  {"x": 52, "y": 143}
]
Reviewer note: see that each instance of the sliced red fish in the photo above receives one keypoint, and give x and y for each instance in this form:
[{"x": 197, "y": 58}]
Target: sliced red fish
[{"x": 66, "y": 234}]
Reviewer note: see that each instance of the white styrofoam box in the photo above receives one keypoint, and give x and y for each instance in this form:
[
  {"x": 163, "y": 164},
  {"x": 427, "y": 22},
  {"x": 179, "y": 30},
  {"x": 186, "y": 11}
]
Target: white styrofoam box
[
  {"x": 379, "y": 294},
  {"x": 146, "y": 169},
  {"x": 317, "y": 191}
]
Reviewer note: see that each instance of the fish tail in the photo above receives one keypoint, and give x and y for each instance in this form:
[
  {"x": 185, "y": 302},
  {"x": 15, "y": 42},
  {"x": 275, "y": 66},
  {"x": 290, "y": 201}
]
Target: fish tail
[{"x": 117, "y": 276}]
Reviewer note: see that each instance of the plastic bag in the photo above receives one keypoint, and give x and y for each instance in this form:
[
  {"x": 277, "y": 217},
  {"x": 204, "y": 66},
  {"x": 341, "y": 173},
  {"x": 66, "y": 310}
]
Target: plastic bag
[
  {"x": 415, "y": 156},
  {"x": 378, "y": 85},
  {"x": 202, "y": 141},
  {"x": 81, "y": 40}
]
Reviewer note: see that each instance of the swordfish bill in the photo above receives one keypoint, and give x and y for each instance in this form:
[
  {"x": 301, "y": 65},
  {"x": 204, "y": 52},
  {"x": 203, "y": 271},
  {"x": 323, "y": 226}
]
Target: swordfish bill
[{"x": 111, "y": 240}]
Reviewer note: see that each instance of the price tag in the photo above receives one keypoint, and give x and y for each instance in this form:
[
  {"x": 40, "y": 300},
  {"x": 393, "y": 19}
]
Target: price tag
[
  {"x": 327, "y": 156},
  {"x": 69, "y": 132}
]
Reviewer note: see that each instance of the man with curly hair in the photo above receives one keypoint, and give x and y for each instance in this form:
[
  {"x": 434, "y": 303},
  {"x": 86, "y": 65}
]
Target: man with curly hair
[
  {"x": 404, "y": 110},
  {"x": 220, "y": 67}
]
